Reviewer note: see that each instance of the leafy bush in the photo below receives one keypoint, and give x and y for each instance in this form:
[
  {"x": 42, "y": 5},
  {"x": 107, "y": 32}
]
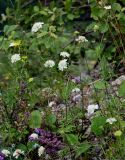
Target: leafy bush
[{"x": 52, "y": 106}]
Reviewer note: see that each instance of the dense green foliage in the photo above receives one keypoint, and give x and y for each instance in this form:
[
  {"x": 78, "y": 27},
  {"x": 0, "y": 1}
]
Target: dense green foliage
[{"x": 52, "y": 104}]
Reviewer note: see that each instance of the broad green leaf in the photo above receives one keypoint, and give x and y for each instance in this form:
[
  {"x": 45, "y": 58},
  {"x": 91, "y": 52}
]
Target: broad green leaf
[
  {"x": 30, "y": 145},
  {"x": 8, "y": 29},
  {"x": 36, "y": 9},
  {"x": 122, "y": 124},
  {"x": 22, "y": 147},
  {"x": 72, "y": 139},
  {"x": 35, "y": 119},
  {"x": 99, "y": 84},
  {"x": 116, "y": 7},
  {"x": 82, "y": 148},
  {"x": 51, "y": 119},
  {"x": 97, "y": 125},
  {"x": 103, "y": 27},
  {"x": 97, "y": 12},
  {"x": 68, "y": 4},
  {"x": 121, "y": 89},
  {"x": 70, "y": 16}
]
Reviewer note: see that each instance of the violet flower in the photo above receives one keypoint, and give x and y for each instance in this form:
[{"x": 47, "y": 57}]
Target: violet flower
[
  {"x": 2, "y": 156},
  {"x": 76, "y": 79},
  {"x": 51, "y": 142}
]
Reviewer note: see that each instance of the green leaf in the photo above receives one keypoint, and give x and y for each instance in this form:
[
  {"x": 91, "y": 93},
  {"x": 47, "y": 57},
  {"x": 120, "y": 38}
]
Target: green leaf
[
  {"x": 70, "y": 16},
  {"x": 51, "y": 119},
  {"x": 36, "y": 9},
  {"x": 22, "y": 147},
  {"x": 30, "y": 145},
  {"x": 82, "y": 148},
  {"x": 8, "y": 29},
  {"x": 66, "y": 129},
  {"x": 122, "y": 124},
  {"x": 121, "y": 89},
  {"x": 97, "y": 13},
  {"x": 99, "y": 84},
  {"x": 97, "y": 125},
  {"x": 103, "y": 27},
  {"x": 116, "y": 7},
  {"x": 68, "y": 4},
  {"x": 35, "y": 119},
  {"x": 72, "y": 139}
]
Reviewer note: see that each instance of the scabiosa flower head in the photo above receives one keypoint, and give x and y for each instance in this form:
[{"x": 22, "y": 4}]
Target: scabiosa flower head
[
  {"x": 15, "y": 58},
  {"x": 37, "y": 26},
  {"x": 63, "y": 65},
  {"x": 41, "y": 151},
  {"x": 91, "y": 108},
  {"x": 33, "y": 136},
  {"x": 81, "y": 39},
  {"x": 49, "y": 64},
  {"x": 77, "y": 98},
  {"x": 17, "y": 153},
  {"x": 108, "y": 7},
  {"x": 111, "y": 120},
  {"x": 6, "y": 152},
  {"x": 2, "y": 156},
  {"x": 76, "y": 79},
  {"x": 65, "y": 54}
]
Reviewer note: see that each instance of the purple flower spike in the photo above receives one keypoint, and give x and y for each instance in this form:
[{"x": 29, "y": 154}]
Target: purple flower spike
[{"x": 50, "y": 141}]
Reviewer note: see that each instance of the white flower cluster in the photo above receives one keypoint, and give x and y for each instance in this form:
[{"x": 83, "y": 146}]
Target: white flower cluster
[
  {"x": 91, "y": 108},
  {"x": 36, "y": 27},
  {"x": 63, "y": 65},
  {"x": 41, "y": 151},
  {"x": 81, "y": 39},
  {"x": 12, "y": 44},
  {"x": 49, "y": 64},
  {"x": 76, "y": 90},
  {"x": 111, "y": 120},
  {"x": 15, "y": 58},
  {"x": 6, "y": 152},
  {"x": 108, "y": 7},
  {"x": 65, "y": 54},
  {"x": 17, "y": 153},
  {"x": 34, "y": 136}
]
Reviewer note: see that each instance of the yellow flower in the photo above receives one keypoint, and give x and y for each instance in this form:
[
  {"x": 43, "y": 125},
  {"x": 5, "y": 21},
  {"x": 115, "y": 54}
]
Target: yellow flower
[
  {"x": 15, "y": 43},
  {"x": 30, "y": 80},
  {"x": 118, "y": 133},
  {"x": 24, "y": 58}
]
